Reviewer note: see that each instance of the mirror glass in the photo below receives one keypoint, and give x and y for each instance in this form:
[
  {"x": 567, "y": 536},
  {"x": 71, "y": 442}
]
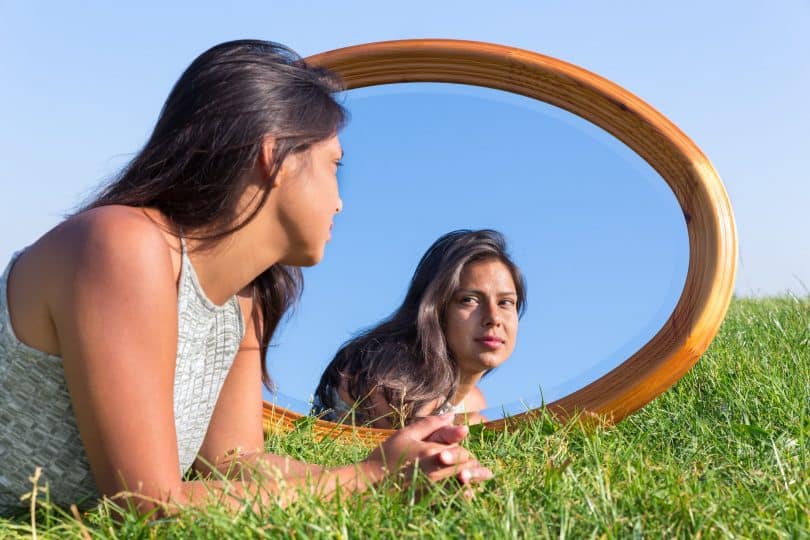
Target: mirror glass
[{"x": 598, "y": 234}]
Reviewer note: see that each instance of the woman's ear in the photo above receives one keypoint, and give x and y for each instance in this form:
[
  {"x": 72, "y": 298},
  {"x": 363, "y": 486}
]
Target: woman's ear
[{"x": 266, "y": 158}]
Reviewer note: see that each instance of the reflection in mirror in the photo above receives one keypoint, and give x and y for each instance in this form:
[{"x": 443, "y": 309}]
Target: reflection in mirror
[
  {"x": 598, "y": 235},
  {"x": 458, "y": 322}
]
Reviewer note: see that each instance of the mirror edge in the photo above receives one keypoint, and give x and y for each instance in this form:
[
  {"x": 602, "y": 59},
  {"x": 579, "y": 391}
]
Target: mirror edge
[{"x": 709, "y": 284}]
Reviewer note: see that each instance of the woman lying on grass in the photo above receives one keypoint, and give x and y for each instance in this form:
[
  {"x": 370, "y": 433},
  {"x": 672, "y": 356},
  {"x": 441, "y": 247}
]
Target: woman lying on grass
[
  {"x": 459, "y": 320},
  {"x": 132, "y": 334}
]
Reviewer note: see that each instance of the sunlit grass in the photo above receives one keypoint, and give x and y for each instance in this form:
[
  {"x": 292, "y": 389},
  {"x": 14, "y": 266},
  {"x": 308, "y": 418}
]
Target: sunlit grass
[{"x": 721, "y": 454}]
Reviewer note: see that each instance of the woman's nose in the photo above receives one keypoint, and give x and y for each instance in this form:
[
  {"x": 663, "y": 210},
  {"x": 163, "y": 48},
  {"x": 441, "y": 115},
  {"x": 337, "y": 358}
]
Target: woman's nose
[{"x": 491, "y": 315}]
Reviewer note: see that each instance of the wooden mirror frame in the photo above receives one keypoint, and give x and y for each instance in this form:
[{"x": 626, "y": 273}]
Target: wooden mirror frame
[{"x": 709, "y": 220}]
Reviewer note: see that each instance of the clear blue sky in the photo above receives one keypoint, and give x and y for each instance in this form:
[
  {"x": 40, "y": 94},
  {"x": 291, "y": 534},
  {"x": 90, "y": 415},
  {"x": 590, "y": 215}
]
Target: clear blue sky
[{"x": 82, "y": 86}]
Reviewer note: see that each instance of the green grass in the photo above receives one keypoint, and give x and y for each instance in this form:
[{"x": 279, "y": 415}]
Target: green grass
[{"x": 721, "y": 454}]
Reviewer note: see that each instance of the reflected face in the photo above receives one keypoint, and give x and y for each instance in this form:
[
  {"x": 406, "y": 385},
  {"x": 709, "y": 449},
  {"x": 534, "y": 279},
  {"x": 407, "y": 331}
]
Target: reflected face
[
  {"x": 310, "y": 200},
  {"x": 481, "y": 322}
]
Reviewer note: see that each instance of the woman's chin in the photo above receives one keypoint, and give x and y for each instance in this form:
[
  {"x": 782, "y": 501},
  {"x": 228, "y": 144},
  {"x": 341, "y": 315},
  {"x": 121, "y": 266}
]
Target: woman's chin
[
  {"x": 304, "y": 258},
  {"x": 485, "y": 363}
]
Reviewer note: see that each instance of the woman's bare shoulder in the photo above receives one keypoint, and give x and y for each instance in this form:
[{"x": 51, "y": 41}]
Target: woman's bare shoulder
[
  {"x": 104, "y": 249},
  {"x": 117, "y": 226},
  {"x": 130, "y": 238}
]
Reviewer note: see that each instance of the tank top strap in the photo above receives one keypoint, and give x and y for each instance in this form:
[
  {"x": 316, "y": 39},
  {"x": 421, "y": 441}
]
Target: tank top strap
[
  {"x": 185, "y": 263},
  {"x": 183, "y": 247}
]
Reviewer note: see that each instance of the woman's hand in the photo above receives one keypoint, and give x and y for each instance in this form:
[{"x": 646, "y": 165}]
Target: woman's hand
[{"x": 431, "y": 445}]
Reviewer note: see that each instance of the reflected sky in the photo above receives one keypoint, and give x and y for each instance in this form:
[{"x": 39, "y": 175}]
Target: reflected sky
[{"x": 596, "y": 231}]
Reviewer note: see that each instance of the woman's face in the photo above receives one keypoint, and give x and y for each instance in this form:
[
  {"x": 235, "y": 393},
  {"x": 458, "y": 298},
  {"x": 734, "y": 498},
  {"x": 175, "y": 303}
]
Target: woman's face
[
  {"x": 481, "y": 322},
  {"x": 309, "y": 200}
]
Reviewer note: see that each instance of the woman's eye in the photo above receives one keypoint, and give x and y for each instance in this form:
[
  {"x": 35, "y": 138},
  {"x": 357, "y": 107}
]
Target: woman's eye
[
  {"x": 469, "y": 300},
  {"x": 508, "y": 302}
]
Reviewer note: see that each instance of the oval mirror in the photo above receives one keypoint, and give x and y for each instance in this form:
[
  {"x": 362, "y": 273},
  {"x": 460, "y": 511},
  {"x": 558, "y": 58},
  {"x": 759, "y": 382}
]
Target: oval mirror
[{"x": 618, "y": 222}]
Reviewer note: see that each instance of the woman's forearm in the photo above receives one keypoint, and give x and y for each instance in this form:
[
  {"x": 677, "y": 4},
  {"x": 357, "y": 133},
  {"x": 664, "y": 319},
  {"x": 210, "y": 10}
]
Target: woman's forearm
[
  {"x": 319, "y": 480},
  {"x": 271, "y": 479}
]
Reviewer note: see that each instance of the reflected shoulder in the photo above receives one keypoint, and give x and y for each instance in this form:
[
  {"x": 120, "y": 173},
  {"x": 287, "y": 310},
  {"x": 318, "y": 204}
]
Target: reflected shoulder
[{"x": 475, "y": 400}]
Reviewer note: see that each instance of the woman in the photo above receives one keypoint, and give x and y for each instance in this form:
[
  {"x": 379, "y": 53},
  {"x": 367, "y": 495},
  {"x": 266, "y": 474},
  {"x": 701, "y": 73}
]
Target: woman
[
  {"x": 459, "y": 320},
  {"x": 132, "y": 334}
]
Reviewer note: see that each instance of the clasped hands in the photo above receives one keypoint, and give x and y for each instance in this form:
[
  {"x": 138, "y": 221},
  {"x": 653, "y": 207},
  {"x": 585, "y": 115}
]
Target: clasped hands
[{"x": 430, "y": 445}]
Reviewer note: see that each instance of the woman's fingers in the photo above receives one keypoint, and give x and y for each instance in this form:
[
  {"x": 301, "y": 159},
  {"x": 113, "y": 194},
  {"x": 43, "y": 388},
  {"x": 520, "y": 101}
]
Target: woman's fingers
[
  {"x": 431, "y": 445},
  {"x": 455, "y": 462},
  {"x": 468, "y": 468},
  {"x": 427, "y": 427},
  {"x": 448, "y": 434},
  {"x": 464, "y": 475},
  {"x": 454, "y": 456},
  {"x": 472, "y": 475}
]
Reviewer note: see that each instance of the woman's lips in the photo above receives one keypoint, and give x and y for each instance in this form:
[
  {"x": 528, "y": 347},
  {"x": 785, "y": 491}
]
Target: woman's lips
[{"x": 490, "y": 342}]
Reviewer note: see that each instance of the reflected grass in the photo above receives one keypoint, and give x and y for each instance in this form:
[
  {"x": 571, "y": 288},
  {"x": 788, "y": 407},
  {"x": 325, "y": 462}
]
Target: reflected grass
[{"x": 721, "y": 454}]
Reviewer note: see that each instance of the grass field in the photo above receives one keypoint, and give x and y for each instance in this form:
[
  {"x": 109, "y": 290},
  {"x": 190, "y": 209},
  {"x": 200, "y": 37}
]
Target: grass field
[{"x": 722, "y": 454}]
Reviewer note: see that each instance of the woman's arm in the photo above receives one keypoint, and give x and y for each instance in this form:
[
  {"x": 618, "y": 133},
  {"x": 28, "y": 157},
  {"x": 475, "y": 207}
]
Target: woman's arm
[{"x": 113, "y": 302}]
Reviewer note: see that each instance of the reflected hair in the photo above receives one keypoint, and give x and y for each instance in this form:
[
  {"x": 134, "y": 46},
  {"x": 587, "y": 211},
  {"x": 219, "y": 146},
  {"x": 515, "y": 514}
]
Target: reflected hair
[
  {"x": 404, "y": 360},
  {"x": 210, "y": 132}
]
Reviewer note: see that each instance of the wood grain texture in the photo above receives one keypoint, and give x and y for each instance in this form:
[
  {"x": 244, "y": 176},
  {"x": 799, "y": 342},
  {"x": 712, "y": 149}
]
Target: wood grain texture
[{"x": 707, "y": 212}]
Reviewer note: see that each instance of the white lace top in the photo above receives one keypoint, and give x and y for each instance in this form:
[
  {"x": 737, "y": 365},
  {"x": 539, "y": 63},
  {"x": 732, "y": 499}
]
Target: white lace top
[{"x": 37, "y": 424}]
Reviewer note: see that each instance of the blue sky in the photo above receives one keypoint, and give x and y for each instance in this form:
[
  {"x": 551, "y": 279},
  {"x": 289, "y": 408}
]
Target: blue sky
[{"x": 82, "y": 86}]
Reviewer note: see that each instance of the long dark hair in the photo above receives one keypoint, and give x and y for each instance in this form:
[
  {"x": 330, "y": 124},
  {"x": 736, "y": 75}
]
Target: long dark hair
[
  {"x": 405, "y": 359},
  {"x": 210, "y": 133}
]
